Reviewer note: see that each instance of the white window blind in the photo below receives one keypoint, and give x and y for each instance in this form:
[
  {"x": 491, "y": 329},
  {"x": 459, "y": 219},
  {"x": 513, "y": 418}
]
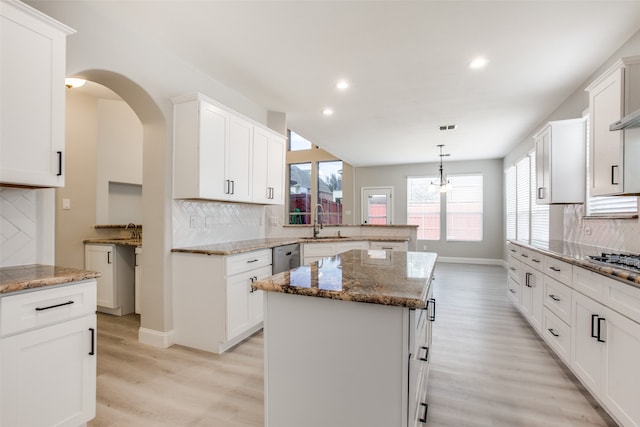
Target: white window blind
[
  {"x": 510, "y": 194},
  {"x": 539, "y": 213},
  {"x": 464, "y": 208},
  {"x": 423, "y": 207},
  {"x": 523, "y": 198},
  {"x": 607, "y": 205}
]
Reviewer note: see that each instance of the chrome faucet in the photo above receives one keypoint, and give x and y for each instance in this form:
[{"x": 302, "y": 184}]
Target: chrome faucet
[
  {"x": 134, "y": 234},
  {"x": 315, "y": 220}
]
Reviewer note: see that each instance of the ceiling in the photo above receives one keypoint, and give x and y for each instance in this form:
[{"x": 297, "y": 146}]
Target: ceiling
[{"x": 406, "y": 62}]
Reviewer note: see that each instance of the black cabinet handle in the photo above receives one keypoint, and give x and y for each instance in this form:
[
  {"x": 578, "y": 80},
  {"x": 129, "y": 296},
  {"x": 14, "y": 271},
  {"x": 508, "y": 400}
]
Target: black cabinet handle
[
  {"x": 135, "y": 264},
  {"x": 553, "y": 297},
  {"x": 54, "y": 306},
  {"x": 233, "y": 187},
  {"x": 556, "y": 269},
  {"x": 423, "y": 419},
  {"x": 524, "y": 255},
  {"x": 433, "y": 316},
  {"x": 613, "y": 182},
  {"x": 513, "y": 250},
  {"x": 109, "y": 257},
  {"x": 512, "y": 291},
  {"x": 552, "y": 332},
  {"x": 535, "y": 260},
  {"x": 527, "y": 280},
  {"x": 59, "y": 163},
  {"x": 593, "y": 327},
  {"x": 252, "y": 260},
  {"x": 540, "y": 192},
  {"x": 426, "y": 355},
  {"x": 226, "y": 186},
  {"x": 512, "y": 268},
  {"x": 599, "y": 338},
  {"x": 93, "y": 342}
]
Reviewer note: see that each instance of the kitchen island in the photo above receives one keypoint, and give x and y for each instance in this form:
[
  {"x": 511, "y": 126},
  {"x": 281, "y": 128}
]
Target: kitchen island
[{"x": 347, "y": 340}]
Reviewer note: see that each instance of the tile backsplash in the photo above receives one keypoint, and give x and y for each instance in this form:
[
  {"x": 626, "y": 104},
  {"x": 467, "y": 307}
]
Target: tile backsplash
[
  {"x": 616, "y": 234},
  {"x": 200, "y": 222}
]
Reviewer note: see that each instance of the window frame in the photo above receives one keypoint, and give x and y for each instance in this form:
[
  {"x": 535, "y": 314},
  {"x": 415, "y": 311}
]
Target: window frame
[{"x": 448, "y": 201}]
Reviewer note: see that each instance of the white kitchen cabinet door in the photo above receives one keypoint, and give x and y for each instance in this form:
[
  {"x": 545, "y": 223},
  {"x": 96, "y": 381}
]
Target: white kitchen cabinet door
[
  {"x": 586, "y": 351},
  {"x": 48, "y": 375},
  {"x": 210, "y": 167},
  {"x": 560, "y": 162},
  {"x": 256, "y": 297},
  {"x": 244, "y": 305},
  {"x": 238, "y": 153},
  {"x": 611, "y": 97},
  {"x": 268, "y": 167},
  {"x": 532, "y": 297},
  {"x": 32, "y": 95},
  {"x": 621, "y": 375},
  {"x": 101, "y": 258}
]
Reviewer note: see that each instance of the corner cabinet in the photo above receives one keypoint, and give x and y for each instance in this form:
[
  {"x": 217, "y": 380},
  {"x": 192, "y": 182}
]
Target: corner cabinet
[
  {"x": 219, "y": 155},
  {"x": 561, "y": 162},
  {"x": 214, "y": 304},
  {"x": 32, "y": 95},
  {"x": 48, "y": 354},
  {"x": 116, "y": 286},
  {"x": 613, "y": 154}
]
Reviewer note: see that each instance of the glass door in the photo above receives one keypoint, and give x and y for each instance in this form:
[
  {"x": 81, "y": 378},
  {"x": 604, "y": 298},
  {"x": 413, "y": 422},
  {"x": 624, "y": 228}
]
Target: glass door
[{"x": 376, "y": 205}]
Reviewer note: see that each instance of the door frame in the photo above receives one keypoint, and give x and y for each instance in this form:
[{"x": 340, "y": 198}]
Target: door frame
[{"x": 364, "y": 191}]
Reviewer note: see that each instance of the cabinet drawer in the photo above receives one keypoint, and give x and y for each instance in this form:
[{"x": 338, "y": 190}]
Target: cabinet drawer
[
  {"x": 591, "y": 284},
  {"x": 393, "y": 246},
  {"x": 418, "y": 337},
  {"x": 531, "y": 258},
  {"x": 625, "y": 299},
  {"x": 514, "y": 250},
  {"x": 44, "y": 307},
  {"x": 320, "y": 250},
  {"x": 559, "y": 270},
  {"x": 515, "y": 269},
  {"x": 557, "y": 298},
  {"x": 514, "y": 289},
  {"x": 247, "y": 261},
  {"x": 557, "y": 334}
]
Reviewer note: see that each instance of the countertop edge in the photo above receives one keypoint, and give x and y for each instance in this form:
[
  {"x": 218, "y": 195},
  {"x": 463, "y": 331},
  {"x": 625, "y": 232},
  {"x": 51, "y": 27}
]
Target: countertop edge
[{"x": 34, "y": 276}]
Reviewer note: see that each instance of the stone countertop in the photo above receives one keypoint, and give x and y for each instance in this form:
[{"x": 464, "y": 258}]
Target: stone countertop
[
  {"x": 372, "y": 276},
  {"x": 25, "y": 277},
  {"x": 114, "y": 241},
  {"x": 578, "y": 254},
  {"x": 236, "y": 247}
]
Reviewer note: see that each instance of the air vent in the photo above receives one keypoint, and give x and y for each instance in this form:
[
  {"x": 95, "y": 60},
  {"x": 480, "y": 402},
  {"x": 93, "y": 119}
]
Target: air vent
[{"x": 448, "y": 127}]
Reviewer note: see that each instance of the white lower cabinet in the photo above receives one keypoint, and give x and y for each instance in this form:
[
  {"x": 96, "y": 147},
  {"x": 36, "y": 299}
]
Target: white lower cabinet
[
  {"x": 312, "y": 252},
  {"x": 215, "y": 306},
  {"x": 48, "y": 357},
  {"x": 532, "y": 296},
  {"x": 116, "y": 286},
  {"x": 390, "y": 246}
]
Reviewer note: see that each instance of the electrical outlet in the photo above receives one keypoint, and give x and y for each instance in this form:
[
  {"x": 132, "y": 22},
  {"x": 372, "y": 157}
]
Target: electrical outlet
[
  {"x": 274, "y": 220},
  {"x": 587, "y": 231},
  {"x": 193, "y": 221}
]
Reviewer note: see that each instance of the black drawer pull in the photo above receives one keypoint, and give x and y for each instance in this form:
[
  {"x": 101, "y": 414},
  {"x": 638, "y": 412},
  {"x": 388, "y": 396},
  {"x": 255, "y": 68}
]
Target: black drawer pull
[
  {"x": 553, "y": 297},
  {"x": 59, "y": 163},
  {"x": 512, "y": 268},
  {"x": 426, "y": 410},
  {"x": 613, "y": 179},
  {"x": 433, "y": 316},
  {"x": 556, "y": 269},
  {"x": 593, "y": 327},
  {"x": 513, "y": 250},
  {"x": 552, "y": 332},
  {"x": 524, "y": 255},
  {"x": 512, "y": 291},
  {"x": 599, "y": 338},
  {"x": 54, "y": 306},
  {"x": 93, "y": 342},
  {"x": 535, "y": 260},
  {"x": 252, "y": 260},
  {"x": 426, "y": 355}
]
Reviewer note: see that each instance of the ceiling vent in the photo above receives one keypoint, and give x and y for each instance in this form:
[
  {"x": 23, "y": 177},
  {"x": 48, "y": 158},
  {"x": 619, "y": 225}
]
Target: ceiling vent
[{"x": 448, "y": 127}]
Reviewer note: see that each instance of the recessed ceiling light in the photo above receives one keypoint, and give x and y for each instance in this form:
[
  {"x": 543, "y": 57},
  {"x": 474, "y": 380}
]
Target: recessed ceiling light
[
  {"x": 71, "y": 82},
  {"x": 478, "y": 63},
  {"x": 342, "y": 85},
  {"x": 327, "y": 111}
]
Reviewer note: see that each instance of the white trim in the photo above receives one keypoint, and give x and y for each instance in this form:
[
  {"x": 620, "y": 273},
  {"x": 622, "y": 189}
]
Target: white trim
[
  {"x": 156, "y": 338},
  {"x": 481, "y": 261}
]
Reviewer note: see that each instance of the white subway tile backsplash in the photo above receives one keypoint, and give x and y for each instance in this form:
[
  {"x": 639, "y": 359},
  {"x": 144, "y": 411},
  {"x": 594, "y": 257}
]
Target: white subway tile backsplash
[{"x": 18, "y": 217}]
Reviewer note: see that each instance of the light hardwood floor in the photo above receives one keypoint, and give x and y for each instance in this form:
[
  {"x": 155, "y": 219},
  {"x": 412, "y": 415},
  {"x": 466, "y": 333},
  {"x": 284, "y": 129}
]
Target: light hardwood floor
[{"x": 488, "y": 369}]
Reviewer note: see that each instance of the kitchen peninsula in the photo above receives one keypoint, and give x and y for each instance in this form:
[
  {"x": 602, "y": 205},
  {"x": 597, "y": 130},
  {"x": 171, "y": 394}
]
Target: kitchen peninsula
[{"x": 347, "y": 340}]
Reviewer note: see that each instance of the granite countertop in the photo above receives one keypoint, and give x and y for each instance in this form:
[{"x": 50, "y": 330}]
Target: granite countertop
[
  {"x": 578, "y": 254},
  {"x": 24, "y": 277},
  {"x": 126, "y": 241},
  {"x": 236, "y": 247},
  {"x": 372, "y": 276}
]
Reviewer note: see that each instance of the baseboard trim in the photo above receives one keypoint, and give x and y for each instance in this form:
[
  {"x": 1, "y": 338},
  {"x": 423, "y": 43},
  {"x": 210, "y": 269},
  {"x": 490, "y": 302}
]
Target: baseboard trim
[
  {"x": 155, "y": 338},
  {"x": 482, "y": 261}
]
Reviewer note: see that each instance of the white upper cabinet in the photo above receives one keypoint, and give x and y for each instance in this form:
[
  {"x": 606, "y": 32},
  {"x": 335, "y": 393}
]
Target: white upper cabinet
[
  {"x": 614, "y": 154},
  {"x": 268, "y": 167},
  {"x": 220, "y": 155},
  {"x": 560, "y": 162},
  {"x": 32, "y": 96}
]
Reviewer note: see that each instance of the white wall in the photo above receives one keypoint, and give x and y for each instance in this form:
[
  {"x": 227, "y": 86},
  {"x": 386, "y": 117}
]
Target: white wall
[{"x": 396, "y": 176}]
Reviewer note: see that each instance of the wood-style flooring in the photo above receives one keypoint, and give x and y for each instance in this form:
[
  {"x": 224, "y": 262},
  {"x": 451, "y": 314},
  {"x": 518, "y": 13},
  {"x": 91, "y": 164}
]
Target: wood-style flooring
[{"x": 488, "y": 369}]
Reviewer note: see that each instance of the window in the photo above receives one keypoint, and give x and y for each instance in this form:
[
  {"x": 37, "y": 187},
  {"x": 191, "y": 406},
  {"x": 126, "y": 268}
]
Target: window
[
  {"x": 423, "y": 207},
  {"x": 376, "y": 205},
  {"x": 330, "y": 191},
  {"x": 523, "y": 198},
  {"x": 464, "y": 208},
  {"x": 539, "y": 213},
  {"x": 297, "y": 142},
  {"x": 300, "y": 193},
  {"x": 510, "y": 192}
]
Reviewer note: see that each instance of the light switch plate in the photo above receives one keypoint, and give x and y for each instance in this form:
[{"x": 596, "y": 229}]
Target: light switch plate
[{"x": 66, "y": 204}]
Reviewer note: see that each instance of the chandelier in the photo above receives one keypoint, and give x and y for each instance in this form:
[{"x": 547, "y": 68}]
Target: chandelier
[{"x": 444, "y": 183}]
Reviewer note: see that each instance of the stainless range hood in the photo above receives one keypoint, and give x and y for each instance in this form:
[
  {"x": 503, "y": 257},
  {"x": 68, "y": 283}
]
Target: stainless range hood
[{"x": 629, "y": 121}]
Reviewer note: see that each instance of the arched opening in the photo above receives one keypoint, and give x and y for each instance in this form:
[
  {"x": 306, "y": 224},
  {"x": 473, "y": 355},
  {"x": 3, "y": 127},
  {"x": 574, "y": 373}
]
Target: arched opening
[{"x": 155, "y": 284}]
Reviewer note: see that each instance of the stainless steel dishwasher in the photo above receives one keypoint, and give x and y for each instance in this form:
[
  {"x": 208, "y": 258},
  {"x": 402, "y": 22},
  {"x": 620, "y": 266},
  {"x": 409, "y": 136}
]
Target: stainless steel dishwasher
[{"x": 286, "y": 257}]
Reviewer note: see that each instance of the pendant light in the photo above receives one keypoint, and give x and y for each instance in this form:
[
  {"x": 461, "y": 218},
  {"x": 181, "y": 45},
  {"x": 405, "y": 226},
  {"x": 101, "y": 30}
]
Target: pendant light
[{"x": 444, "y": 183}]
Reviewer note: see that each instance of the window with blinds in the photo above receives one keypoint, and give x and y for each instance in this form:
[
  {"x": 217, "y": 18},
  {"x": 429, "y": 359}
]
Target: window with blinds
[
  {"x": 523, "y": 198},
  {"x": 423, "y": 207},
  {"x": 510, "y": 196},
  {"x": 539, "y": 213},
  {"x": 464, "y": 208}
]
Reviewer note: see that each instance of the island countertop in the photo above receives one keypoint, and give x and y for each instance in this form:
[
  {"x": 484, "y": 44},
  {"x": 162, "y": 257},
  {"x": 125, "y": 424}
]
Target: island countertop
[
  {"x": 372, "y": 276},
  {"x": 25, "y": 277}
]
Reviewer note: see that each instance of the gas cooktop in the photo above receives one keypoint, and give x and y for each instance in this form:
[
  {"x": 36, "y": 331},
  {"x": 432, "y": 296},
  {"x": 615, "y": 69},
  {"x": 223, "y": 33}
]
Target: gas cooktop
[{"x": 626, "y": 261}]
